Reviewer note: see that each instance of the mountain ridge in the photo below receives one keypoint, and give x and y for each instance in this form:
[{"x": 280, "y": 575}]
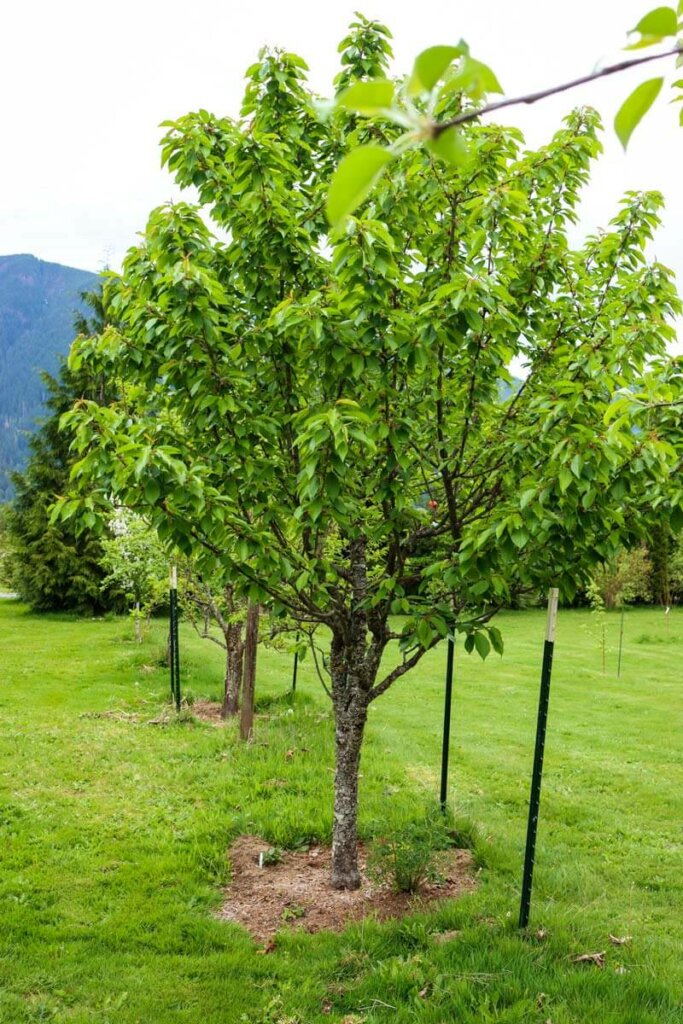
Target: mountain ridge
[{"x": 38, "y": 302}]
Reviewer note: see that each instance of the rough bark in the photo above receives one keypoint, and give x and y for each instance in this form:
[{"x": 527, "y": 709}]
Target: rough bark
[
  {"x": 249, "y": 678},
  {"x": 234, "y": 660},
  {"x": 349, "y": 727},
  {"x": 354, "y": 661}
]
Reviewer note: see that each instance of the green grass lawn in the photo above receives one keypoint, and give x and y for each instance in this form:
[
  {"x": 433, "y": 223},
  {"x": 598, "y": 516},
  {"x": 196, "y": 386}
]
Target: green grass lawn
[{"x": 113, "y": 833}]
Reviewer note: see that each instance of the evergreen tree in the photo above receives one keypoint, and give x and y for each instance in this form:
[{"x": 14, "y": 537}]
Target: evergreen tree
[{"x": 51, "y": 566}]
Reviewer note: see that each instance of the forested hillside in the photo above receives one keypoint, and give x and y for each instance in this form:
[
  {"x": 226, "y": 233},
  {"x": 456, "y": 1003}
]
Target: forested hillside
[{"x": 38, "y": 301}]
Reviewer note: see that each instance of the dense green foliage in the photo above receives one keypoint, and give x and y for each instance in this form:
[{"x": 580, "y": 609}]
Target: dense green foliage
[
  {"x": 37, "y": 304},
  {"x": 290, "y": 403},
  {"x": 420, "y": 105},
  {"x": 627, "y": 577},
  {"x": 54, "y": 565},
  {"x": 114, "y": 834}
]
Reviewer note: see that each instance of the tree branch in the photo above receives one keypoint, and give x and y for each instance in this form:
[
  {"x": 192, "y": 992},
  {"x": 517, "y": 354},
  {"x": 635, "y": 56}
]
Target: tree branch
[
  {"x": 317, "y": 666},
  {"x": 401, "y": 670},
  {"x": 533, "y": 97}
]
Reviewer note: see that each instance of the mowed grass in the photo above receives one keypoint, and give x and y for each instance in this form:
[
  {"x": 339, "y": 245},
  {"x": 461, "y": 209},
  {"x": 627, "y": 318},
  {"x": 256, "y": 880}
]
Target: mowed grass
[{"x": 114, "y": 829}]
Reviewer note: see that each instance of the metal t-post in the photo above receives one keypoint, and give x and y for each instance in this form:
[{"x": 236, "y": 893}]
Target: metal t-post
[
  {"x": 171, "y": 636},
  {"x": 295, "y": 670},
  {"x": 174, "y": 644},
  {"x": 621, "y": 642},
  {"x": 535, "y": 797},
  {"x": 447, "y": 724}
]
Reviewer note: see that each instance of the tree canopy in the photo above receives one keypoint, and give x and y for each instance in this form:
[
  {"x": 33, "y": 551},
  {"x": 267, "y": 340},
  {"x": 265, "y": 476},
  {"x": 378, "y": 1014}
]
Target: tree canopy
[{"x": 421, "y": 104}]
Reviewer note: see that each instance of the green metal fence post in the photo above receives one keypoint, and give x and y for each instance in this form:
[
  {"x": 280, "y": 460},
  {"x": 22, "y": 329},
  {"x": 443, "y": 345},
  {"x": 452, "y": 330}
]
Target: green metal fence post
[
  {"x": 295, "y": 670},
  {"x": 174, "y": 642},
  {"x": 535, "y": 796},
  {"x": 171, "y": 637},
  {"x": 447, "y": 724},
  {"x": 621, "y": 642}
]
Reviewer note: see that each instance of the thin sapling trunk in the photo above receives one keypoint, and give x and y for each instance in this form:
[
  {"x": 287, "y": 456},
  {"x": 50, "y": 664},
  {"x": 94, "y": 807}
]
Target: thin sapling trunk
[{"x": 249, "y": 680}]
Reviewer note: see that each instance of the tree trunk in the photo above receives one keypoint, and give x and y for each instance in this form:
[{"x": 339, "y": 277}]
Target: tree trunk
[
  {"x": 138, "y": 624},
  {"x": 348, "y": 738},
  {"x": 354, "y": 662},
  {"x": 350, "y": 670},
  {"x": 234, "y": 661},
  {"x": 248, "y": 683}
]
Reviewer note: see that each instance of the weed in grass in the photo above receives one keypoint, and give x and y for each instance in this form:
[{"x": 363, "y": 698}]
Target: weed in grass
[
  {"x": 649, "y": 638},
  {"x": 405, "y": 857},
  {"x": 271, "y": 856},
  {"x": 293, "y": 912}
]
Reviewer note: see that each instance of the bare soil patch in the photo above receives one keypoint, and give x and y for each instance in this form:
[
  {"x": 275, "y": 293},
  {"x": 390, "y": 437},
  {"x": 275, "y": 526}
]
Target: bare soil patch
[
  {"x": 208, "y": 711},
  {"x": 296, "y": 891}
]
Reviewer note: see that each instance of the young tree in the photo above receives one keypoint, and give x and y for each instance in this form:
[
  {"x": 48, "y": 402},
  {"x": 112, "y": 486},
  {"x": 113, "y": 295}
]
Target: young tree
[
  {"x": 136, "y": 565},
  {"x": 217, "y": 614},
  {"x": 623, "y": 579},
  {"x": 325, "y": 415}
]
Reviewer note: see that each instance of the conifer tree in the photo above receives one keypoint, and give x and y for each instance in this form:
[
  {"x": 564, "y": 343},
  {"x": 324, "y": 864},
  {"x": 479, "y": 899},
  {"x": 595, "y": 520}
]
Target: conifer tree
[{"x": 52, "y": 566}]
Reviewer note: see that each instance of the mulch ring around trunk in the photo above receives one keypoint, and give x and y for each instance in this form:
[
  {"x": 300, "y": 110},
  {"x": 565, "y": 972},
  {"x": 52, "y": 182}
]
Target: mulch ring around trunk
[{"x": 295, "y": 891}]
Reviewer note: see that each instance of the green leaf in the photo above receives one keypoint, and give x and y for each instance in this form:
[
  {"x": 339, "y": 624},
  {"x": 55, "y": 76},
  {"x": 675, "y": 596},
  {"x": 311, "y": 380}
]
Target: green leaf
[
  {"x": 565, "y": 478},
  {"x": 496, "y": 639},
  {"x": 450, "y": 147},
  {"x": 519, "y": 538},
  {"x": 635, "y": 107},
  {"x": 424, "y": 633},
  {"x": 469, "y": 643},
  {"x": 353, "y": 180},
  {"x": 152, "y": 491},
  {"x": 482, "y": 644},
  {"x": 369, "y": 97},
  {"x": 658, "y": 24},
  {"x": 431, "y": 65},
  {"x": 474, "y": 78}
]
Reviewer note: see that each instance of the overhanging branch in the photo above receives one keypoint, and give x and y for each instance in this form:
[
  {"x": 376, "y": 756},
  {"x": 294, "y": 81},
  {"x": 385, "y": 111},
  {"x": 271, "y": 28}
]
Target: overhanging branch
[{"x": 533, "y": 97}]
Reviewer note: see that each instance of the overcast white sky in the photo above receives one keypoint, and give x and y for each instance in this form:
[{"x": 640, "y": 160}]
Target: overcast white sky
[{"x": 85, "y": 85}]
